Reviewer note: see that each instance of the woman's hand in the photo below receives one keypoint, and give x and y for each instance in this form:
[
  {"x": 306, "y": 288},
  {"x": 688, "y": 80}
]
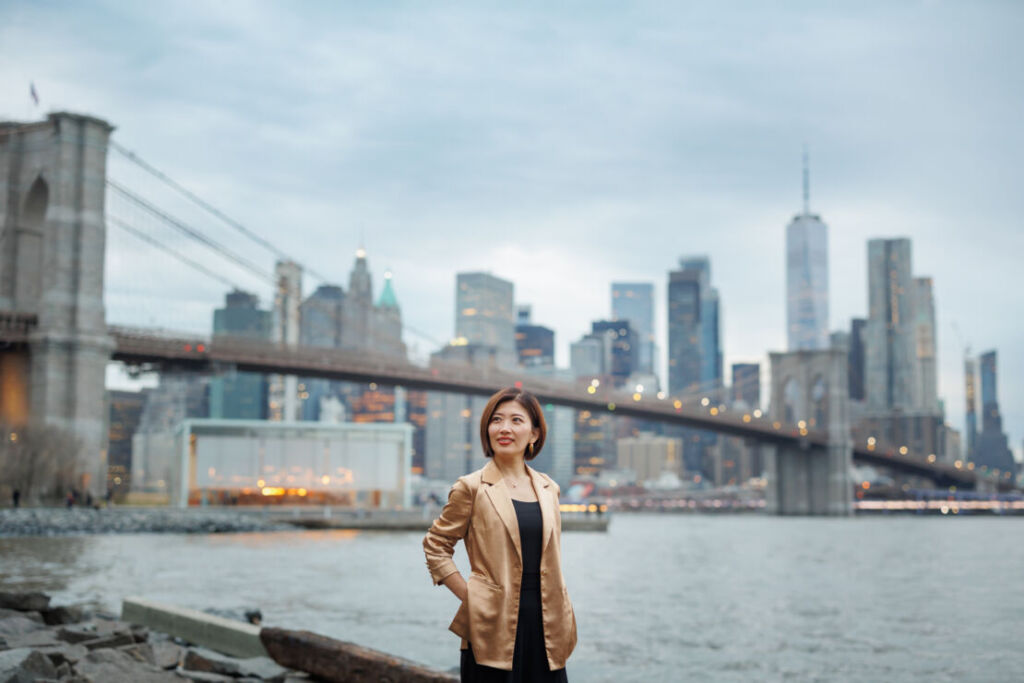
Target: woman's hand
[{"x": 457, "y": 585}]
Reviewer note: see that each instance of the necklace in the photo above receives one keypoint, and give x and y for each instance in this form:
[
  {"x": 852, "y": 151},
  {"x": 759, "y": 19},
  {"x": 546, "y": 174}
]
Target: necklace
[{"x": 510, "y": 481}]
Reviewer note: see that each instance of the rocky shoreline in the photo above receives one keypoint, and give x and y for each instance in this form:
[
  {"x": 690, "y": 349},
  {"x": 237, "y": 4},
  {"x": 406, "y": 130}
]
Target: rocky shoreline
[
  {"x": 81, "y": 521},
  {"x": 69, "y": 645}
]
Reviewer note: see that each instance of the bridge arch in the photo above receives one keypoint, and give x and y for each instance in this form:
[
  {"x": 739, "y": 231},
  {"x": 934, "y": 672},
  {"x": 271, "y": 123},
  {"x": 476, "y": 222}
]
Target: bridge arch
[
  {"x": 30, "y": 243},
  {"x": 819, "y": 403}
]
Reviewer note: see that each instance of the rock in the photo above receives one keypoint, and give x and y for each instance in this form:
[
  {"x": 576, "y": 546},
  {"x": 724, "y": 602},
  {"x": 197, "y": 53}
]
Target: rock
[
  {"x": 167, "y": 654},
  {"x": 202, "y": 659},
  {"x": 77, "y": 633},
  {"x": 34, "y": 640},
  {"x": 114, "y": 666},
  {"x": 140, "y": 634},
  {"x": 55, "y": 616},
  {"x": 107, "y": 626},
  {"x": 24, "y": 602},
  {"x": 25, "y": 665},
  {"x": 8, "y": 613},
  {"x": 142, "y": 652},
  {"x": 64, "y": 670},
  {"x": 338, "y": 661},
  {"x": 19, "y": 626},
  {"x": 65, "y": 652},
  {"x": 113, "y": 640}
]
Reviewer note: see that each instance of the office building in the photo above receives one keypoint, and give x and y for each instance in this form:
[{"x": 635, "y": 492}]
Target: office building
[
  {"x": 856, "y": 359},
  {"x": 622, "y": 348},
  {"x": 925, "y": 331},
  {"x": 892, "y": 368},
  {"x": 535, "y": 344},
  {"x": 971, "y": 398},
  {"x": 634, "y": 302},
  {"x": 484, "y": 312},
  {"x": 649, "y": 456},
  {"x": 695, "y": 348},
  {"x": 807, "y": 278},
  {"x": 240, "y": 395},
  {"x": 991, "y": 449}
]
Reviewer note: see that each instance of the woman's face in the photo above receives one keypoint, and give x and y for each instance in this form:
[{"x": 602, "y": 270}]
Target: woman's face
[{"x": 510, "y": 429}]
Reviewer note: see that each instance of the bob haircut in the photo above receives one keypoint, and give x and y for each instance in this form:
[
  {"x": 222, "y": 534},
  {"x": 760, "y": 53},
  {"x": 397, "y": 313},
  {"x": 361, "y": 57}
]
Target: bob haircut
[{"x": 532, "y": 407}]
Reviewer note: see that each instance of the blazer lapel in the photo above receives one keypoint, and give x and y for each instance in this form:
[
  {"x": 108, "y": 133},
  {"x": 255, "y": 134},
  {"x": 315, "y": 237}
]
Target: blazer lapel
[
  {"x": 497, "y": 493},
  {"x": 545, "y": 496}
]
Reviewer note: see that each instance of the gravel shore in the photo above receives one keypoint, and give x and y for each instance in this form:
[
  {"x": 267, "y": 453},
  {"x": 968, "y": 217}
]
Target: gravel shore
[{"x": 79, "y": 521}]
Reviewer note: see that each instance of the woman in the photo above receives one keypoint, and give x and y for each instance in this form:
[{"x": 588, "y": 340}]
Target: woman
[{"x": 516, "y": 621}]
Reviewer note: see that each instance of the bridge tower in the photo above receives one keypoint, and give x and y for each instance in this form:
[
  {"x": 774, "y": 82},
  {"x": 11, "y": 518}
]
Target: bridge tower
[
  {"x": 52, "y": 185},
  {"x": 811, "y": 387}
]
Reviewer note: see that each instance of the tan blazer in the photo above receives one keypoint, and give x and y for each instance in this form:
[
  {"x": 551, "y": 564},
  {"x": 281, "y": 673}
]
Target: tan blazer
[{"x": 480, "y": 512}]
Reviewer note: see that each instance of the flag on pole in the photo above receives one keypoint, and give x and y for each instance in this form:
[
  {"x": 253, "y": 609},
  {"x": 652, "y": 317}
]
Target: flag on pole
[{"x": 33, "y": 93}]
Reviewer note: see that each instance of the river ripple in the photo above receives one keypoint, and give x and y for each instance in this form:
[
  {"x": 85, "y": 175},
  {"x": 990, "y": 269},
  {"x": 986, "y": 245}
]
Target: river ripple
[{"x": 658, "y": 598}]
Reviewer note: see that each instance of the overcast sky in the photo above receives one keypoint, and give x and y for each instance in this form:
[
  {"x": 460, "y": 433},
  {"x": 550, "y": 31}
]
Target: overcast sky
[{"x": 561, "y": 147}]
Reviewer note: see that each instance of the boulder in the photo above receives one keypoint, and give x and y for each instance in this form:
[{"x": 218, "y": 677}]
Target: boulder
[
  {"x": 142, "y": 652},
  {"x": 24, "y": 602},
  {"x": 63, "y": 653},
  {"x": 25, "y": 665},
  {"x": 55, "y": 616},
  {"x": 12, "y": 627},
  {"x": 34, "y": 640},
  {"x": 8, "y": 613},
  {"x": 202, "y": 659},
  {"x": 114, "y": 666},
  {"x": 167, "y": 654},
  {"x": 77, "y": 633}
]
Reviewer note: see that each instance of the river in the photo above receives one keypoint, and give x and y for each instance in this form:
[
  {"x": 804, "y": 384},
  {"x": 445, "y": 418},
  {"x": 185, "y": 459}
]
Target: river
[{"x": 657, "y": 598}]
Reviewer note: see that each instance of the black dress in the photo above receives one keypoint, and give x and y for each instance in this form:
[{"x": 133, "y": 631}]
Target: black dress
[{"x": 529, "y": 660}]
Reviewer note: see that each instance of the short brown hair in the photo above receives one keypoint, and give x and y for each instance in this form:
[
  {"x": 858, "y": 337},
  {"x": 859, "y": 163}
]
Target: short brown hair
[{"x": 532, "y": 407}]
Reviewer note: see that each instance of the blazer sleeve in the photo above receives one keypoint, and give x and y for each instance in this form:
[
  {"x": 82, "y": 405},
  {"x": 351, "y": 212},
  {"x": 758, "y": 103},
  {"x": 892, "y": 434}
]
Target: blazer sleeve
[{"x": 450, "y": 527}]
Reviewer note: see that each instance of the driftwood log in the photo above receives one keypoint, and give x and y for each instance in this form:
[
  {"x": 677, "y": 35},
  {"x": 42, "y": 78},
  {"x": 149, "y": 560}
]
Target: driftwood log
[{"x": 337, "y": 661}]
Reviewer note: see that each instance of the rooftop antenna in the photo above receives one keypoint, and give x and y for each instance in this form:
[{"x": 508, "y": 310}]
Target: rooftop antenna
[{"x": 807, "y": 184}]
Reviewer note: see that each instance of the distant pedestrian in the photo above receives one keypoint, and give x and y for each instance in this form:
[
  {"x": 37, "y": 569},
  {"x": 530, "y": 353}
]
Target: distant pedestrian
[
  {"x": 16, "y": 497},
  {"x": 70, "y": 499}
]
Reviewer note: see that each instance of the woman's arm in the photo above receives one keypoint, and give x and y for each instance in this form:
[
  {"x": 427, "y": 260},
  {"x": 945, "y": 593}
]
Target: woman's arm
[
  {"x": 457, "y": 585},
  {"x": 439, "y": 543}
]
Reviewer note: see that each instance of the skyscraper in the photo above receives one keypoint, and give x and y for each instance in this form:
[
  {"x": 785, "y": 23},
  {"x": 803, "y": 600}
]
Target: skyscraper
[
  {"x": 971, "y": 398},
  {"x": 484, "y": 311},
  {"x": 694, "y": 339},
  {"x": 991, "y": 449},
  {"x": 623, "y": 350},
  {"x": 321, "y": 322},
  {"x": 535, "y": 344},
  {"x": 891, "y": 373},
  {"x": 634, "y": 301},
  {"x": 856, "y": 359},
  {"x": 240, "y": 395},
  {"x": 924, "y": 323},
  {"x": 695, "y": 348},
  {"x": 807, "y": 278}
]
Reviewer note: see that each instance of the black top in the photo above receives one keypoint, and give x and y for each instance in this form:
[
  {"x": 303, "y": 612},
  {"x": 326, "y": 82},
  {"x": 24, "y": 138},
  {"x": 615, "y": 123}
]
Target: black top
[{"x": 531, "y": 534}]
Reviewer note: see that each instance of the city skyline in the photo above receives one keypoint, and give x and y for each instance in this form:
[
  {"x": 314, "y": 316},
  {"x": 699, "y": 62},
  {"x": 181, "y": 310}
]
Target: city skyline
[{"x": 598, "y": 151}]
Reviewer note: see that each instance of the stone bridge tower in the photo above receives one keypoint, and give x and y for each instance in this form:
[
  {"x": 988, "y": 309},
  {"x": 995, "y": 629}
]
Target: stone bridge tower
[
  {"x": 811, "y": 387},
  {"x": 52, "y": 243}
]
